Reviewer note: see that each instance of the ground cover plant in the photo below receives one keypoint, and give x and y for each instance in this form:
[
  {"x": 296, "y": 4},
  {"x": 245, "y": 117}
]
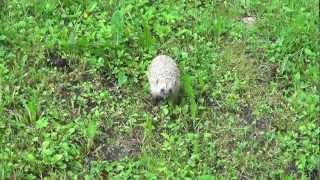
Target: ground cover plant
[{"x": 74, "y": 99}]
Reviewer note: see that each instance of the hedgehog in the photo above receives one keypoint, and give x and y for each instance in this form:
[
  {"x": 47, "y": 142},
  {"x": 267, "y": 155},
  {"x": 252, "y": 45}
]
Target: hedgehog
[{"x": 164, "y": 79}]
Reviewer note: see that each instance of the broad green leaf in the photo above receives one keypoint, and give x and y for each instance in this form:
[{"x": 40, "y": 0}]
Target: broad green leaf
[{"x": 91, "y": 129}]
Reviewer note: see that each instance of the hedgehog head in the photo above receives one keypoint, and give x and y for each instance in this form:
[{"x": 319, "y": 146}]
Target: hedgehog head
[{"x": 161, "y": 90}]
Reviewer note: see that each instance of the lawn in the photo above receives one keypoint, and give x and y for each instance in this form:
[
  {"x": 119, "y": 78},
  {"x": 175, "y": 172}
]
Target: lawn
[{"x": 75, "y": 101}]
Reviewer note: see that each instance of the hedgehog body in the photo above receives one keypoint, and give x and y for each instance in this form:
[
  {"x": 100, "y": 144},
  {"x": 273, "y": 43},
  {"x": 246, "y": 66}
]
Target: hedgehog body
[{"x": 164, "y": 78}]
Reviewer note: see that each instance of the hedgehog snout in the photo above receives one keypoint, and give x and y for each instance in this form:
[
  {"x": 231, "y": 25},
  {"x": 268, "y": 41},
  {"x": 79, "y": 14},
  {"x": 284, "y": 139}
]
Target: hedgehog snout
[
  {"x": 162, "y": 92},
  {"x": 157, "y": 99}
]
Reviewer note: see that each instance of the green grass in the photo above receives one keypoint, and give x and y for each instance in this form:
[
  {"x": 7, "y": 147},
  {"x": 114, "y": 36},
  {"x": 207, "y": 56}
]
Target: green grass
[{"x": 74, "y": 100}]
